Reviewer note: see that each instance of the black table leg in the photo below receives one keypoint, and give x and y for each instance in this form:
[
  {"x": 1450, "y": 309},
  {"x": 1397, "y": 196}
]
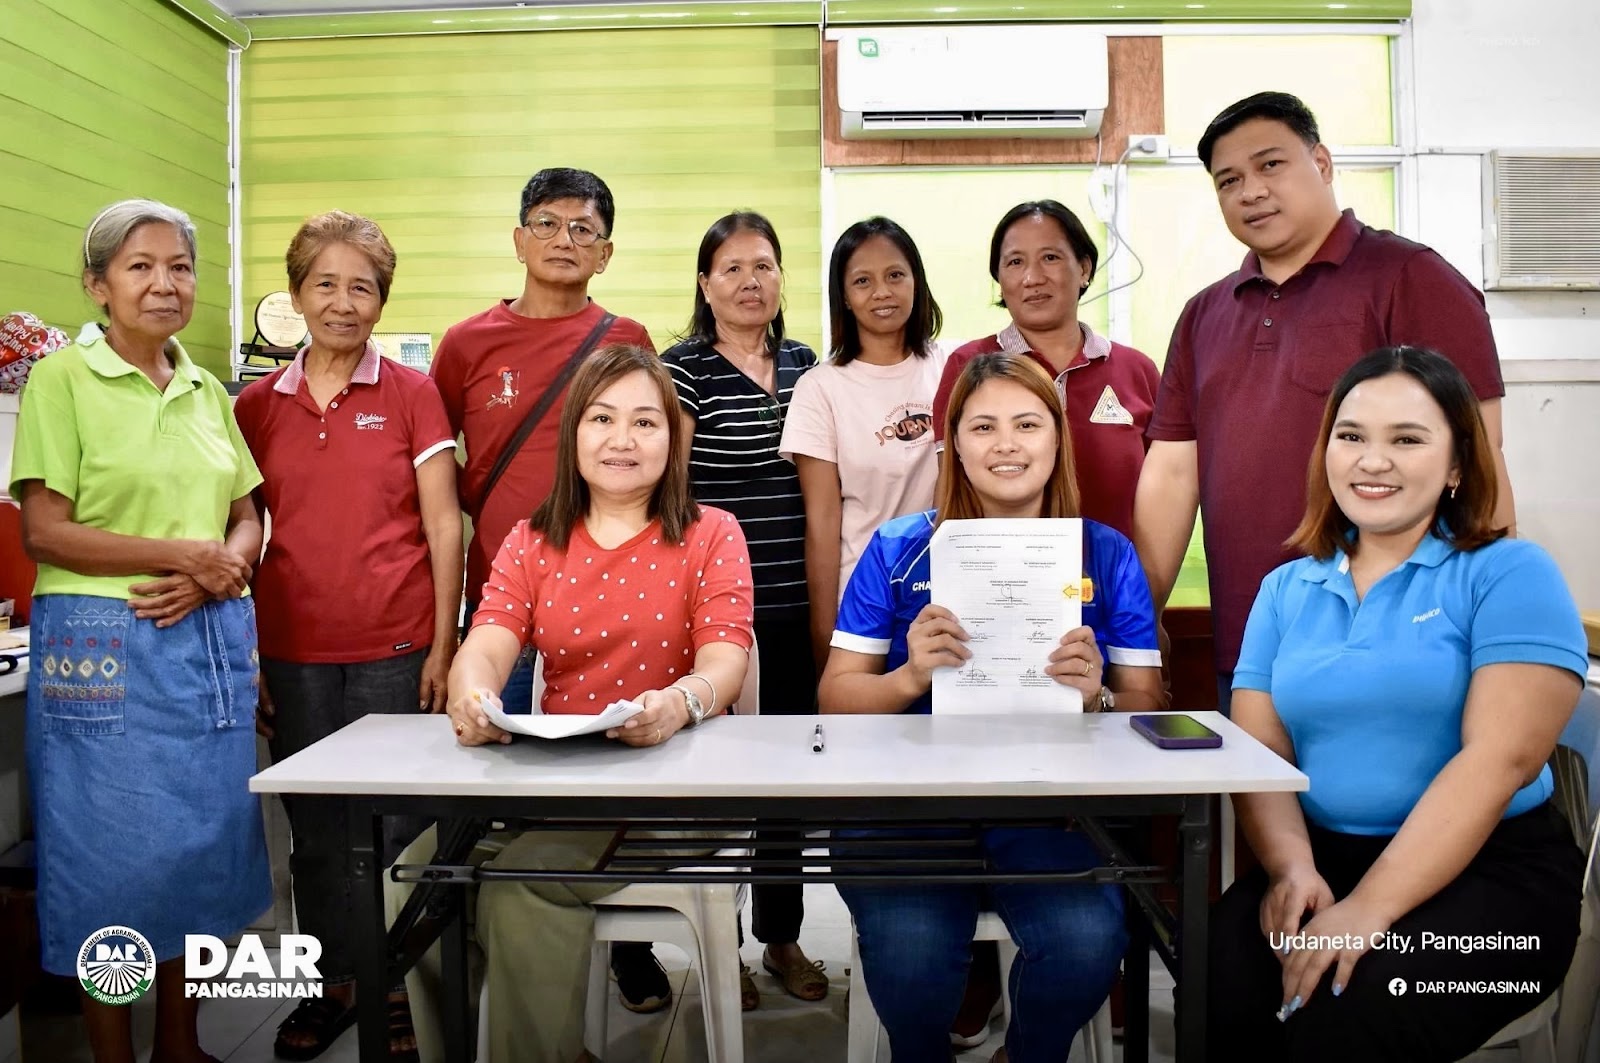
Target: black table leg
[
  {"x": 453, "y": 953},
  {"x": 1136, "y": 988},
  {"x": 1194, "y": 836},
  {"x": 366, "y": 904}
]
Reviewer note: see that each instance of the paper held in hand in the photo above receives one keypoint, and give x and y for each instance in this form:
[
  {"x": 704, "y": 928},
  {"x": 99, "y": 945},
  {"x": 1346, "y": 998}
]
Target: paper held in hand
[
  {"x": 1016, "y": 586},
  {"x": 541, "y": 726}
]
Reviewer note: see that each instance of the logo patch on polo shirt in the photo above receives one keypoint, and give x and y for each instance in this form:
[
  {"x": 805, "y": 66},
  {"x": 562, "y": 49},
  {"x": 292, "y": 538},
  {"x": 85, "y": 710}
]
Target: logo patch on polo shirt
[
  {"x": 370, "y": 421},
  {"x": 1109, "y": 410}
]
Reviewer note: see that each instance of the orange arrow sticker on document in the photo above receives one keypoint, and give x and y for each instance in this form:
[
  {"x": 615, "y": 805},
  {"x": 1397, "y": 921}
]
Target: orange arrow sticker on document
[{"x": 1084, "y": 592}]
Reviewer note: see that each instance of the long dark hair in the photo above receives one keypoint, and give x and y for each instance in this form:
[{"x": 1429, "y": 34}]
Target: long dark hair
[
  {"x": 926, "y": 318},
  {"x": 703, "y": 323},
  {"x": 1466, "y": 516},
  {"x": 568, "y": 501}
]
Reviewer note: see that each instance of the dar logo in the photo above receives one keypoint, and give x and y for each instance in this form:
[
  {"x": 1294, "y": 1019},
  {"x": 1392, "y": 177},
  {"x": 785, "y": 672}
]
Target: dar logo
[{"x": 116, "y": 965}]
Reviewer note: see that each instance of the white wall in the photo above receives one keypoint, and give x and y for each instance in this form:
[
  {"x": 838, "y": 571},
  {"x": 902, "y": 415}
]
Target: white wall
[{"x": 1486, "y": 75}]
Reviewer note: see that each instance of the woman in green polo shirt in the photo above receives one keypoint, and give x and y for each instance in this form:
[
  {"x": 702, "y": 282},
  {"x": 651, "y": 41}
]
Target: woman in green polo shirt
[{"x": 135, "y": 488}]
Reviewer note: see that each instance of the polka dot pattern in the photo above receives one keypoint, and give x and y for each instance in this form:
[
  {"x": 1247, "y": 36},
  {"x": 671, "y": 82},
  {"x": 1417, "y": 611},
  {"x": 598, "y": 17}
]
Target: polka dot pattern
[{"x": 655, "y": 642}]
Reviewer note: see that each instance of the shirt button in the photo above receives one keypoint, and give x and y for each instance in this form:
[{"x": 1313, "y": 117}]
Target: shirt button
[
  {"x": 346, "y": 391},
  {"x": 322, "y": 435},
  {"x": 1268, "y": 322},
  {"x": 335, "y": 405},
  {"x": 1276, "y": 293}
]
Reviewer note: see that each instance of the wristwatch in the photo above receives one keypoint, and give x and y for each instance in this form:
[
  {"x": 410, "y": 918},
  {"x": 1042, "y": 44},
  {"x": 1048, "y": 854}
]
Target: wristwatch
[
  {"x": 692, "y": 702},
  {"x": 1107, "y": 702}
]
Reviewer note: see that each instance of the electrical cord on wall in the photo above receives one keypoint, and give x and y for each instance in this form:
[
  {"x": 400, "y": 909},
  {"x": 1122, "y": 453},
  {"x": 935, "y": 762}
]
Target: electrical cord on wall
[{"x": 1118, "y": 241}]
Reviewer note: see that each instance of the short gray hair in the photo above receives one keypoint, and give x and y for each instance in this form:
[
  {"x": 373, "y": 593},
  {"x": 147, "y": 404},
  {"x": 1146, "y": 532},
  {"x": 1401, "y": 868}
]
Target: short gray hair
[{"x": 113, "y": 225}]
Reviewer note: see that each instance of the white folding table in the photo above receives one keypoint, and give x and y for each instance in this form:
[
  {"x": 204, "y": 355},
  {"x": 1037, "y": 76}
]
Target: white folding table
[{"x": 874, "y": 770}]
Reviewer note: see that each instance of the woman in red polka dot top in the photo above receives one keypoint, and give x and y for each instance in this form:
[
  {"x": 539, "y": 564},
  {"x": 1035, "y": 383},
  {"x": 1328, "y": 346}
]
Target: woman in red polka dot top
[
  {"x": 626, "y": 589},
  {"x": 623, "y": 585}
]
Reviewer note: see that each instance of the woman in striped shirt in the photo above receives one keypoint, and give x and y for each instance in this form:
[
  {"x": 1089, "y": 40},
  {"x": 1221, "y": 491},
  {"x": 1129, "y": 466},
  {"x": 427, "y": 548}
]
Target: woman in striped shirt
[{"x": 735, "y": 372}]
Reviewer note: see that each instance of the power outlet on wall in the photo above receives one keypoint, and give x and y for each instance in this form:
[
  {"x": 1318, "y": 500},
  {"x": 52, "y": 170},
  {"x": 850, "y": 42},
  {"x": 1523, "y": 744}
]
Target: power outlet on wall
[{"x": 1148, "y": 147}]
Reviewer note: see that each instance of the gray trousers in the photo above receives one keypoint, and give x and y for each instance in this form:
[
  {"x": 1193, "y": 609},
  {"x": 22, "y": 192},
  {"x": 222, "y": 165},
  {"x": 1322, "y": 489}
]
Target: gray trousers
[
  {"x": 313, "y": 701},
  {"x": 534, "y": 939}
]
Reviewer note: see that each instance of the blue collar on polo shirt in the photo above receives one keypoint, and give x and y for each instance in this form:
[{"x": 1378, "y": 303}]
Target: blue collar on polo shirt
[{"x": 1431, "y": 552}]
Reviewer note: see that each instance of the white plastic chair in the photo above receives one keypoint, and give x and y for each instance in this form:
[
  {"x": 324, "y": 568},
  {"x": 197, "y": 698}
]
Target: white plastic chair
[
  {"x": 702, "y": 919},
  {"x": 1561, "y": 1028},
  {"x": 865, "y": 1029}
]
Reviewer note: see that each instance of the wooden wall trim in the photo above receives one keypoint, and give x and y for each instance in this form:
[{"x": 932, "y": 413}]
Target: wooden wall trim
[{"x": 1135, "y": 106}]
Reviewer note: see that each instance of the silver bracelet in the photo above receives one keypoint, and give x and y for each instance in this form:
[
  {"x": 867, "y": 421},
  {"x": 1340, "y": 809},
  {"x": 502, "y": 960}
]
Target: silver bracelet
[{"x": 709, "y": 686}]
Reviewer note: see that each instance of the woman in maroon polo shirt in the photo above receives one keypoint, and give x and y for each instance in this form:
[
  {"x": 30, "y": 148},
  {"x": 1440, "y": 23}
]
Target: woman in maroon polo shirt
[
  {"x": 1043, "y": 259},
  {"x": 360, "y": 587}
]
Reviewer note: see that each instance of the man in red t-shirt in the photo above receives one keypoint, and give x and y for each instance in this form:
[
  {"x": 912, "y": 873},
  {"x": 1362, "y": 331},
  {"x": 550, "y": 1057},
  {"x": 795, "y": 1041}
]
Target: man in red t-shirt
[
  {"x": 1255, "y": 355},
  {"x": 494, "y": 366},
  {"x": 492, "y": 369}
]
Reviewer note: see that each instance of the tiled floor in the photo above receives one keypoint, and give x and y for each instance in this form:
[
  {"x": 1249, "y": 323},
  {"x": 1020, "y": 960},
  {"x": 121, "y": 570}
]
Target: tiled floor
[{"x": 781, "y": 1030}]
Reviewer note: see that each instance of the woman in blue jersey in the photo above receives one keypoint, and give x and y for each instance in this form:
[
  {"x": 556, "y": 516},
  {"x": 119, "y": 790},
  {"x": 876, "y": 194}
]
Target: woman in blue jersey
[
  {"x": 1418, "y": 666},
  {"x": 1011, "y": 457}
]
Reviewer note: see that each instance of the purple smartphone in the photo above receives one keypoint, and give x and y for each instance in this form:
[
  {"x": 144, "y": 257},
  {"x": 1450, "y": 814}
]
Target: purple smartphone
[{"x": 1174, "y": 730}]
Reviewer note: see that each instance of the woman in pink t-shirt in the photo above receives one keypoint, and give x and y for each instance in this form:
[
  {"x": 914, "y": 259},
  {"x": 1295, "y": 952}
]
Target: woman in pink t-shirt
[
  {"x": 628, "y": 590},
  {"x": 860, "y": 427}
]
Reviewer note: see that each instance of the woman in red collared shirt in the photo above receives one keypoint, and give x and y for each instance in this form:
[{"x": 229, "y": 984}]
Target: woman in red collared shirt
[
  {"x": 1043, "y": 259},
  {"x": 359, "y": 590}
]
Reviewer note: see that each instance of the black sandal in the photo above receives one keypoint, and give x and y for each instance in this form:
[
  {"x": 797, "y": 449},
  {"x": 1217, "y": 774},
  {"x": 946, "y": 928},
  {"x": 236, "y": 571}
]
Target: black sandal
[
  {"x": 400, "y": 1027},
  {"x": 323, "y": 1018}
]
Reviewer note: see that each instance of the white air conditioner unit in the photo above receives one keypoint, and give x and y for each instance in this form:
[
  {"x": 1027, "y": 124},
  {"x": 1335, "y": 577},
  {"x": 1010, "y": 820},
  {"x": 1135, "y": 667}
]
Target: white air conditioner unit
[
  {"x": 1541, "y": 220},
  {"x": 971, "y": 81}
]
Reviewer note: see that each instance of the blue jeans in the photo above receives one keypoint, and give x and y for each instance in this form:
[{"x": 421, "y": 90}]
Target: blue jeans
[
  {"x": 517, "y": 695},
  {"x": 915, "y": 946}
]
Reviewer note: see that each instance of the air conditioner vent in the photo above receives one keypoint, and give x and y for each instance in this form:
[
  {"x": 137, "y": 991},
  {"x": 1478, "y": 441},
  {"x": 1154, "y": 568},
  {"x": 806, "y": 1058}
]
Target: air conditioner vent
[{"x": 1542, "y": 220}]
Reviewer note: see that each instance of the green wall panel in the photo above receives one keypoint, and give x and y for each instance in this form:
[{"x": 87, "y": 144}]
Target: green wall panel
[
  {"x": 535, "y": 18},
  {"x": 105, "y": 99},
  {"x": 434, "y": 137}
]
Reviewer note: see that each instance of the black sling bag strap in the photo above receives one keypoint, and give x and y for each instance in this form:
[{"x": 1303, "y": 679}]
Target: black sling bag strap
[{"x": 542, "y": 407}]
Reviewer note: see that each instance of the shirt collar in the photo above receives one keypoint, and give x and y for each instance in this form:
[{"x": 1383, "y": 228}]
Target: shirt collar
[
  {"x": 1336, "y": 247},
  {"x": 294, "y": 373},
  {"x": 105, "y": 362},
  {"x": 1431, "y": 552},
  {"x": 1094, "y": 344}
]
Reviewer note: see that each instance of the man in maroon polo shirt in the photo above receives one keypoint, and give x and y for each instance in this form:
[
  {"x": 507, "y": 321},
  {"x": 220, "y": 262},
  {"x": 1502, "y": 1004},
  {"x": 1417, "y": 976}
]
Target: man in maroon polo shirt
[{"x": 1254, "y": 356}]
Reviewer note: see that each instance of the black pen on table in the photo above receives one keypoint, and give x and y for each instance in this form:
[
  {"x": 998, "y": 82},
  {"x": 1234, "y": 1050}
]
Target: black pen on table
[{"x": 816, "y": 739}]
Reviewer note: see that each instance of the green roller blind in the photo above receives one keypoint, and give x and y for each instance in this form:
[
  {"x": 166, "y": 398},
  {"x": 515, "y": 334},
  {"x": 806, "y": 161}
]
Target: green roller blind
[
  {"x": 434, "y": 137},
  {"x": 101, "y": 100}
]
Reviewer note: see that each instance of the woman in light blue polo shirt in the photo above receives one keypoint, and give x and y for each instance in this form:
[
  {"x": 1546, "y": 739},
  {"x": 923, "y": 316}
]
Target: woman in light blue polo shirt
[
  {"x": 1418, "y": 666},
  {"x": 1009, "y": 456}
]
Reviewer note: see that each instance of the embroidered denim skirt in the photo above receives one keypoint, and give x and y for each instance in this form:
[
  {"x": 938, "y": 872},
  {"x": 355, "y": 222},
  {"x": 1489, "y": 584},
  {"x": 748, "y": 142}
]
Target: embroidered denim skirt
[{"x": 140, "y": 745}]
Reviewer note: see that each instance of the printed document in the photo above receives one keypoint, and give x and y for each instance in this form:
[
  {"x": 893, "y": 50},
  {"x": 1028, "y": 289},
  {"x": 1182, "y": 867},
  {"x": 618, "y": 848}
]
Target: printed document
[
  {"x": 564, "y": 726},
  {"x": 1016, "y": 586}
]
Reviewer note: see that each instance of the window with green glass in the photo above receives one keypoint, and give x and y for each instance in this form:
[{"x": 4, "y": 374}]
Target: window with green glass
[
  {"x": 951, "y": 214},
  {"x": 433, "y": 137},
  {"x": 103, "y": 100}
]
